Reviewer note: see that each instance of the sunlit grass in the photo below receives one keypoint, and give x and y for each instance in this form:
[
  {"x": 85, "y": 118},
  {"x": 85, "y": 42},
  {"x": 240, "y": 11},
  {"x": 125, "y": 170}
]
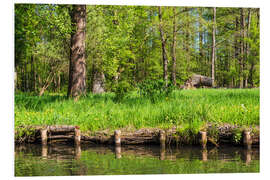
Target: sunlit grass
[{"x": 186, "y": 109}]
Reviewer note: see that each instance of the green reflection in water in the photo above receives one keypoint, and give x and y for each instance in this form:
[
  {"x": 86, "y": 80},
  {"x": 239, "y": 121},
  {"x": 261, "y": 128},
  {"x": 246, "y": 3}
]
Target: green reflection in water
[{"x": 67, "y": 160}]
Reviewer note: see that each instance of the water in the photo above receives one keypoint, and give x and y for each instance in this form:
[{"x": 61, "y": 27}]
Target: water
[{"x": 66, "y": 160}]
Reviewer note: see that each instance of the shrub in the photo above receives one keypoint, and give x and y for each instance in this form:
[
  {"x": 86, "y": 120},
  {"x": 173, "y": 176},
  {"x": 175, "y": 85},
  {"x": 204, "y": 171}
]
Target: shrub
[
  {"x": 155, "y": 89},
  {"x": 121, "y": 89}
]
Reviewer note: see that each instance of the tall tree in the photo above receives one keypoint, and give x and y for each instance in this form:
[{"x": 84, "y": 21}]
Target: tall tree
[
  {"x": 163, "y": 46},
  {"x": 201, "y": 53},
  {"x": 174, "y": 48},
  {"x": 77, "y": 67},
  {"x": 247, "y": 46},
  {"x": 242, "y": 47},
  {"x": 213, "y": 47}
]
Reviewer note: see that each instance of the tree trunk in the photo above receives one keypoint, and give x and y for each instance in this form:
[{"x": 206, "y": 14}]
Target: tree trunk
[
  {"x": 32, "y": 74},
  {"x": 24, "y": 77},
  {"x": 236, "y": 46},
  {"x": 98, "y": 82},
  {"x": 59, "y": 83},
  {"x": 241, "y": 75},
  {"x": 163, "y": 45},
  {"x": 258, "y": 17},
  {"x": 247, "y": 46},
  {"x": 77, "y": 68},
  {"x": 174, "y": 49},
  {"x": 197, "y": 81},
  {"x": 47, "y": 83},
  {"x": 251, "y": 74},
  {"x": 187, "y": 40},
  {"x": 201, "y": 41},
  {"x": 213, "y": 47},
  {"x": 15, "y": 80}
]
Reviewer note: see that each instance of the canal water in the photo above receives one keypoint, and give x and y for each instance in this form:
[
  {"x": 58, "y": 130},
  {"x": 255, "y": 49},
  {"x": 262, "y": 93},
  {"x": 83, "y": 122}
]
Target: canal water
[{"x": 67, "y": 160}]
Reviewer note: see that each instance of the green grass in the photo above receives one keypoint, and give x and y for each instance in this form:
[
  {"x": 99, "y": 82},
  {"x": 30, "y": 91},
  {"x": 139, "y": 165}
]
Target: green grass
[{"x": 188, "y": 109}]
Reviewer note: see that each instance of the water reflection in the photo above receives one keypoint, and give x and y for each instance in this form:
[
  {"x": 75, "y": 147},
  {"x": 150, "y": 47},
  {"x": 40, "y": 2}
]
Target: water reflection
[
  {"x": 77, "y": 152},
  {"x": 204, "y": 154},
  {"x": 247, "y": 156},
  {"x": 78, "y": 159},
  {"x": 118, "y": 152},
  {"x": 44, "y": 151},
  {"x": 160, "y": 152}
]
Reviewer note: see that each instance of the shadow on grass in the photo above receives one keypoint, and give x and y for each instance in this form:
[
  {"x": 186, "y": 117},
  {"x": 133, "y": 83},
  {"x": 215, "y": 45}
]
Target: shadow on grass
[{"x": 36, "y": 103}]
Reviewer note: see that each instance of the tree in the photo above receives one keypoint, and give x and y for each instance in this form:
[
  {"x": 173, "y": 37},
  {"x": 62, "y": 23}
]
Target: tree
[
  {"x": 174, "y": 48},
  {"x": 242, "y": 47},
  {"x": 132, "y": 44},
  {"x": 77, "y": 67},
  {"x": 163, "y": 46},
  {"x": 213, "y": 47}
]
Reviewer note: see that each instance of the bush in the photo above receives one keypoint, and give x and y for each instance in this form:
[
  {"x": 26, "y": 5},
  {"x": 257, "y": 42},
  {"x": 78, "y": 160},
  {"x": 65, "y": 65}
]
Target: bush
[
  {"x": 155, "y": 89},
  {"x": 121, "y": 89}
]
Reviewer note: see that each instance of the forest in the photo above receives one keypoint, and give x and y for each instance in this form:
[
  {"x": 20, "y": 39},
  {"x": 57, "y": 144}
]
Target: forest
[
  {"x": 112, "y": 90},
  {"x": 106, "y": 67},
  {"x": 127, "y": 45}
]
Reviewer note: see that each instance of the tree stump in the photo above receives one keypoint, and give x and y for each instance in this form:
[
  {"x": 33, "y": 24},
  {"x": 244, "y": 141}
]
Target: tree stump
[
  {"x": 162, "y": 138},
  {"x": 117, "y": 137},
  {"x": 77, "y": 137},
  {"x": 203, "y": 139},
  {"x": 44, "y": 137},
  {"x": 247, "y": 139}
]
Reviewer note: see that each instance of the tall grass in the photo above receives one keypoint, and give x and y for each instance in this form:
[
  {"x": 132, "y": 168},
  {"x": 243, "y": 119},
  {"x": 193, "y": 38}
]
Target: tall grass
[{"x": 186, "y": 109}]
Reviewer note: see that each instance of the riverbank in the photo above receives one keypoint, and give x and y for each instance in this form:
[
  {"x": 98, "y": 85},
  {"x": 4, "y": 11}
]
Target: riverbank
[
  {"x": 187, "y": 110},
  {"x": 211, "y": 135}
]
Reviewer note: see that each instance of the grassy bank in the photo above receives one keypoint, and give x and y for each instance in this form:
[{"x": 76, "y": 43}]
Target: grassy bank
[{"x": 187, "y": 109}]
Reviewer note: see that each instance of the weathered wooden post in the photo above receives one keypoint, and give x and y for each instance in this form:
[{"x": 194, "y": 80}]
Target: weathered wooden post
[
  {"x": 162, "y": 138},
  {"x": 117, "y": 137},
  {"x": 162, "y": 141},
  {"x": 247, "y": 139},
  {"x": 77, "y": 137},
  {"x": 203, "y": 139},
  {"x": 118, "y": 152},
  {"x": 44, "y": 137}
]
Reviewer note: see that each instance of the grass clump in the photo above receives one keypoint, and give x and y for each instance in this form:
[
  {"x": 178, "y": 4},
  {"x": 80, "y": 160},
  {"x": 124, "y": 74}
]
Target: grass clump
[{"x": 189, "y": 109}]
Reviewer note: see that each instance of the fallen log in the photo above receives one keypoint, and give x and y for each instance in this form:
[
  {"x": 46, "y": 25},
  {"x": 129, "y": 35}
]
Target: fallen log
[
  {"x": 57, "y": 137},
  {"x": 197, "y": 81},
  {"x": 61, "y": 129}
]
